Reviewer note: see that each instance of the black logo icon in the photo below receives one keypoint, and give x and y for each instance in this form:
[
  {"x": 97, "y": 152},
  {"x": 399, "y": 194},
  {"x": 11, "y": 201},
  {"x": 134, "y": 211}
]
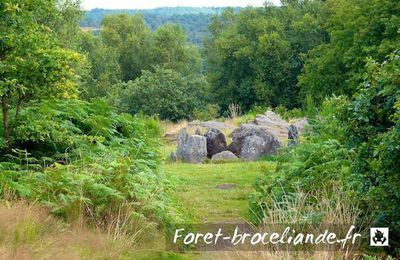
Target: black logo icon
[{"x": 379, "y": 237}]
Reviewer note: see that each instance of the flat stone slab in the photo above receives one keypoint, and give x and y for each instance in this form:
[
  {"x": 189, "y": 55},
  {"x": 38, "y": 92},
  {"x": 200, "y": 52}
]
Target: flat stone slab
[
  {"x": 226, "y": 186},
  {"x": 225, "y": 156}
]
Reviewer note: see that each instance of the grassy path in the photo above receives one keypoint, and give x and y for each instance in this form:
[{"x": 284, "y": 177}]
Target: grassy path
[
  {"x": 215, "y": 193},
  {"x": 210, "y": 193}
]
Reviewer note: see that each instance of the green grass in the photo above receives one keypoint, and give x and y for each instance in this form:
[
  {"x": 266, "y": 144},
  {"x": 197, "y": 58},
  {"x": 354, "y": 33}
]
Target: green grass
[
  {"x": 196, "y": 195},
  {"x": 167, "y": 149},
  {"x": 196, "y": 189}
]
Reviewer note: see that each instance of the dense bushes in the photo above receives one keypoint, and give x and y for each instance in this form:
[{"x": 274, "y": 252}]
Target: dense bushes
[
  {"x": 373, "y": 128},
  {"x": 312, "y": 168},
  {"x": 165, "y": 93},
  {"x": 83, "y": 160},
  {"x": 354, "y": 146}
]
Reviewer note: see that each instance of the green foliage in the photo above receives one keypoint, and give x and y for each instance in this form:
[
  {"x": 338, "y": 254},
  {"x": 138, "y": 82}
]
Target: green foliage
[
  {"x": 288, "y": 114},
  {"x": 310, "y": 168},
  {"x": 310, "y": 109},
  {"x": 65, "y": 23},
  {"x": 140, "y": 49},
  {"x": 194, "y": 20},
  {"x": 105, "y": 69},
  {"x": 33, "y": 64},
  {"x": 328, "y": 125},
  {"x": 83, "y": 160},
  {"x": 126, "y": 47},
  {"x": 165, "y": 93},
  {"x": 357, "y": 31},
  {"x": 57, "y": 127},
  {"x": 373, "y": 128},
  {"x": 130, "y": 38},
  {"x": 170, "y": 50},
  {"x": 253, "y": 57},
  {"x": 354, "y": 146}
]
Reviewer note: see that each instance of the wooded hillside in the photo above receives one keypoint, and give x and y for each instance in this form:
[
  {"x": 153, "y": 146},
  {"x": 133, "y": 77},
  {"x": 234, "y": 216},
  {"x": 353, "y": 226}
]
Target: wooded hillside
[{"x": 194, "y": 20}]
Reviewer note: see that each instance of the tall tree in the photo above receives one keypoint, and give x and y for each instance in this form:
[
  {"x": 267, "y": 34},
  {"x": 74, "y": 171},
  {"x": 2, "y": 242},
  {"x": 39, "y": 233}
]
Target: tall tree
[
  {"x": 171, "y": 50},
  {"x": 131, "y": 38},
  {"x": 357, "y": 30},
  {"x": 254, "y": 56},
  {"x": 32, "y": 63},
  {"x": 105, "y": 70}
]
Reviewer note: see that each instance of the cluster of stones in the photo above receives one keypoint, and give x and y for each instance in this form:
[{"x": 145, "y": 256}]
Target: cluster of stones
[{"x": 249, "y": 141}]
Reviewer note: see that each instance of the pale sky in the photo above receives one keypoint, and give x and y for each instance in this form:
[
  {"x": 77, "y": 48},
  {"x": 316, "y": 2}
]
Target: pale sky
[{"x": 147, "y": 4}]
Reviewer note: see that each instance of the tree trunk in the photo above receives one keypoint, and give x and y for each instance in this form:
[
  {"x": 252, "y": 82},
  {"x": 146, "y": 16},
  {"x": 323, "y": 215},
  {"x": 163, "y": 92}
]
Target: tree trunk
[
  {"x": 6, "y": 128},
  {"x": 18, "y": 107}
]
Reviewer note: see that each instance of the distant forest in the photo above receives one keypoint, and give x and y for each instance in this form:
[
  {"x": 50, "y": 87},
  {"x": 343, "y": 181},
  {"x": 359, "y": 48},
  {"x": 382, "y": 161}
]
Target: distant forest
[{"x": 194, "y": 20}]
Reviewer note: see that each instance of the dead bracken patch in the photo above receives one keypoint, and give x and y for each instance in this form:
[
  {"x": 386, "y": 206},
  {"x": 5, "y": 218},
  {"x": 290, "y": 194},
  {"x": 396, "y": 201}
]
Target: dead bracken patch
[{"x": 29, "y": 231}]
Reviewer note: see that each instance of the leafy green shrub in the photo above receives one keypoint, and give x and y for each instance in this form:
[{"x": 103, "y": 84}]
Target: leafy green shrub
[
  {"x": 338, "y": 66},
  {"x": 86, "y": 161},
  {"x": 320, "y": 164},
  {"x": 257, "y": 109},
  {"x": 165, "y": 93},
  {"x": 310, "y": 168},
  {"x": 373, "y": 130},
  {"x": 328, "y": 125},
  {"x": 59, "y": 127},
  {"x": 354, "y": 145},
  {"x": 280, "y": 110}
]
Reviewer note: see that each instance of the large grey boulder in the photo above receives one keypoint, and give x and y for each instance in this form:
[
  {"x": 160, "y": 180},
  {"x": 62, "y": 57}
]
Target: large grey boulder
[
  {"x": 191, "y": 148},
  {"x": 251, "y": 142},
  {"x": 253, "y": 148},
  {"x": 273, "y": 123},
  {"x": 270, "y": 118},
  {"x": 277, "y": 126},
  {"x": 216, "y": 142},
  {"x": 224, "y": 156}
]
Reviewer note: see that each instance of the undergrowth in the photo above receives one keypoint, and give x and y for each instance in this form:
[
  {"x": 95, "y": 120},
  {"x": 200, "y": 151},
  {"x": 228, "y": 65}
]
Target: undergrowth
[{"x": 86, "y": 162}]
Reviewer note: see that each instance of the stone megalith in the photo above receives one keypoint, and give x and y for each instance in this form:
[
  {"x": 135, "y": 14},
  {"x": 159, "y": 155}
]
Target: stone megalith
[
  {"x": 251, "y": 142},
  {"x": 191, "y": 148},
  {"x": 216, "y": 142}
]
